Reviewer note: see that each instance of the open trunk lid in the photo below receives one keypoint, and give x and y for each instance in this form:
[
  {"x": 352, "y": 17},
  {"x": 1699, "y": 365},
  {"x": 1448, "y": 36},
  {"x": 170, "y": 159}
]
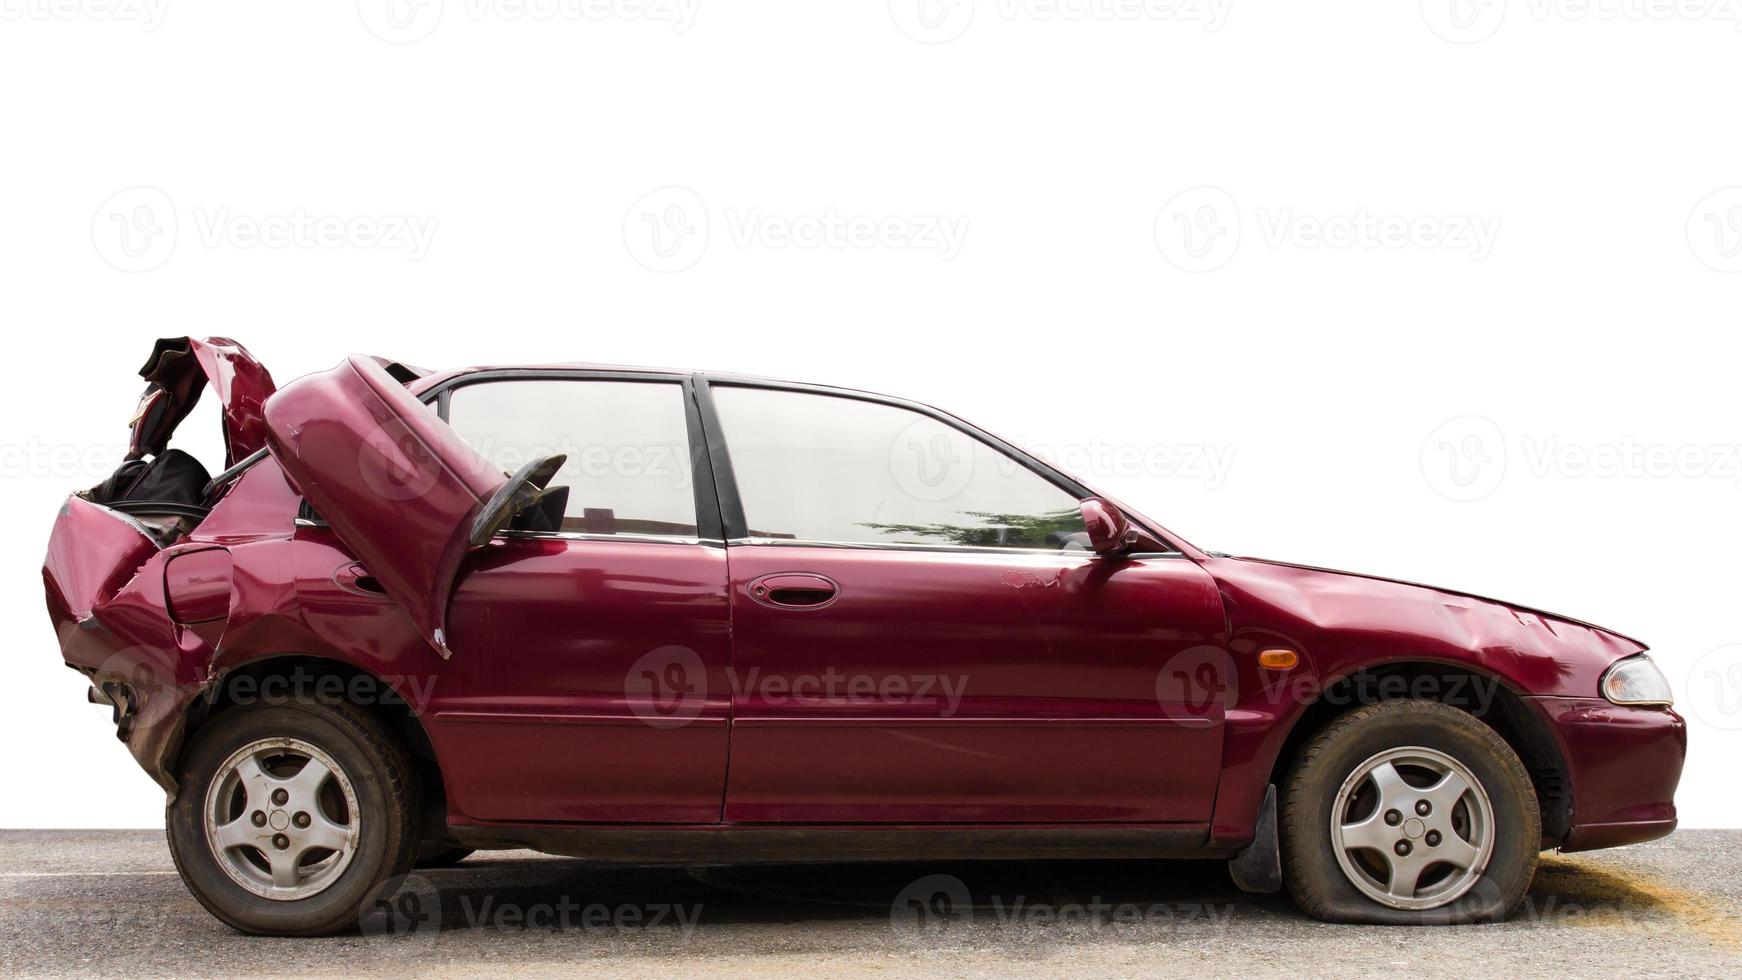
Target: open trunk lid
[
  {"x": 399, "y": 487},
  {"x": 178, "y": 371}
]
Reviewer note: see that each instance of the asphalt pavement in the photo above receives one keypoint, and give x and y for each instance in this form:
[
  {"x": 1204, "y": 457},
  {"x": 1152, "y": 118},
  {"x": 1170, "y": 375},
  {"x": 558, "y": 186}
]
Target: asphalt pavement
[{"x": 85, "y": 903}]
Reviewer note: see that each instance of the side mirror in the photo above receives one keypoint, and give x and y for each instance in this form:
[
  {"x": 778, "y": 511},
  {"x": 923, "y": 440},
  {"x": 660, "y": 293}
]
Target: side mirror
[
  {"x": 1109, "y": 531},
  {"x": 521, "y": 491}
]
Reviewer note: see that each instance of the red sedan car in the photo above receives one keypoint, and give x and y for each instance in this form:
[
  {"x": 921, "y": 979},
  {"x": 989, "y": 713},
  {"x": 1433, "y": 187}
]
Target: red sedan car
[{"x": 654, "y": 616}]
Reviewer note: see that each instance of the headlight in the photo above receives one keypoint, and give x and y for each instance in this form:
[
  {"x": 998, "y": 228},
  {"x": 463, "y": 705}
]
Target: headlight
[{"x": 1636, "y": 680}]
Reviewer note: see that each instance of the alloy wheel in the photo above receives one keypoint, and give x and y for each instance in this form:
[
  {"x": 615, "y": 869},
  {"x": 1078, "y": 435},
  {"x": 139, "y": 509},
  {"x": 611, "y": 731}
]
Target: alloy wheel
[
  {"x": 1412, "y": 828},
  {"x": 282, "y": 819}
]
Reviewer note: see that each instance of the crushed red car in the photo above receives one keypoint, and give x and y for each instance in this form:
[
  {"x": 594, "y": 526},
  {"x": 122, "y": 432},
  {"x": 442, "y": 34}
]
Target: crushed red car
[{"x": 655, "y": 616}]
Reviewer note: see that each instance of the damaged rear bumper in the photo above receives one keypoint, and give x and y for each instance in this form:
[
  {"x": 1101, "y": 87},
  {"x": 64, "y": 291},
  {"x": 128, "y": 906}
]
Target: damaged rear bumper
[{"x": 104, "y": 581}]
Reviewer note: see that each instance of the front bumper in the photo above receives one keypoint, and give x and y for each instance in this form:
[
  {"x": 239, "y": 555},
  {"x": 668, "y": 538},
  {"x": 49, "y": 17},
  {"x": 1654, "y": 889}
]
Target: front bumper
[{"x": 1623, "y": 765}]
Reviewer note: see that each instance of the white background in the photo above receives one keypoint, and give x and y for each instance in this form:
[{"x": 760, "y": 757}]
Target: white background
[{"x": 1558, "y": 362}]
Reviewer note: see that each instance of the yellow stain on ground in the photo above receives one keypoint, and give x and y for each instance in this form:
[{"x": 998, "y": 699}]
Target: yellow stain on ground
[{"x": 1572, "y": 892}]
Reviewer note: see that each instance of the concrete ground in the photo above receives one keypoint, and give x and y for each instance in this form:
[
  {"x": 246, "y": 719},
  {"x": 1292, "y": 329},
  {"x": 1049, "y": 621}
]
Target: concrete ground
[{"x": 109, "y": 903}]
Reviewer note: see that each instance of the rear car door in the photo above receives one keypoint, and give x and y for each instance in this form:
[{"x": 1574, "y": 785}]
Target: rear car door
[
  {"x": 545, "y": 710},
  {"x": 572, "y": 709},
  {"x": 921, "y": 635}
]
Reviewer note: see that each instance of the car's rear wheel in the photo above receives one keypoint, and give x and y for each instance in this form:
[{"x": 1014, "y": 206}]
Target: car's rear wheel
[
  {"x": 289, "y": 817},
  {"x": 1409, "y": 812}
]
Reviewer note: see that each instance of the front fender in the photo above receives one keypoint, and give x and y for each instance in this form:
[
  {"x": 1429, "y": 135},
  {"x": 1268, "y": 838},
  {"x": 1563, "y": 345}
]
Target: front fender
[{"x": 1342, "y": 624}]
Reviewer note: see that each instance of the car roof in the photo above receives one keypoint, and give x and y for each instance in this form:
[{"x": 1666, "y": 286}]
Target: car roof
[{"x": 441, "y": 378}]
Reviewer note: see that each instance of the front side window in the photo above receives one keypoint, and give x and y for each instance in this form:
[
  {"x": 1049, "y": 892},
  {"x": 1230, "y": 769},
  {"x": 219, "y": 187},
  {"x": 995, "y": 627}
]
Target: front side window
[
  {"x": 814, "y": 467},
  {"x": 628, "y": 468}
]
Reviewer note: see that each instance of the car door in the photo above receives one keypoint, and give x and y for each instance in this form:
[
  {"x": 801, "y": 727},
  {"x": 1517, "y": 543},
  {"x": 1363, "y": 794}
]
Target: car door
[
  {"x": 547, "y": 710},
  {"x": 920, "y": 634}
]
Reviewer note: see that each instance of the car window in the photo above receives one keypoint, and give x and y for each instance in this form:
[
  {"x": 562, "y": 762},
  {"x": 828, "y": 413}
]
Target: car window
[
  {"x": 818, "y": 467},
  {"x": 628, "y": 468}
]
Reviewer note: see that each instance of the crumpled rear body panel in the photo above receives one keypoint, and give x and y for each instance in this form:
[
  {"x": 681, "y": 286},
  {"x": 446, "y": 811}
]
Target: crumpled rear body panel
[
  {"x": 111, "y": 613},
  {"x": 92, "y": 552}
]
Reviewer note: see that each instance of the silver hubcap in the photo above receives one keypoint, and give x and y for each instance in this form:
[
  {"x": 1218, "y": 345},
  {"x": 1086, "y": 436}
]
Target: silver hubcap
[
  {"x": 1412, "y": 828},
  {"x": 281, "y": 817}
]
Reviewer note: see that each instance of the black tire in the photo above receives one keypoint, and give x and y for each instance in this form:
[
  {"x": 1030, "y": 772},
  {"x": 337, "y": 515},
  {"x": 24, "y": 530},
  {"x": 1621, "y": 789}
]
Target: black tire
[
  {"x": 386, "y": 807},
  {"x": 434, "y": 854},
  {"x": 1315, "y": 878}
]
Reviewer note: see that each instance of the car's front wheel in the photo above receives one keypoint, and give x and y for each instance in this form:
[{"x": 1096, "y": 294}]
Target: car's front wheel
[
  {"x": 291, "y": 816},
  {"x": 1409, "y": 812}
]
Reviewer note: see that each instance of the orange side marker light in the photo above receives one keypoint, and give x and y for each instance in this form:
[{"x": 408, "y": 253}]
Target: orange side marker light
[{"x": 1278, "y": 659}]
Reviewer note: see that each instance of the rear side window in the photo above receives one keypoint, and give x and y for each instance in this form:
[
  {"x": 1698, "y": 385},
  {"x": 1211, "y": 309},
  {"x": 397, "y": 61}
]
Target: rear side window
[
  {"x": 627, "y": 442},
  {"x": 816, "y": 467}
]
